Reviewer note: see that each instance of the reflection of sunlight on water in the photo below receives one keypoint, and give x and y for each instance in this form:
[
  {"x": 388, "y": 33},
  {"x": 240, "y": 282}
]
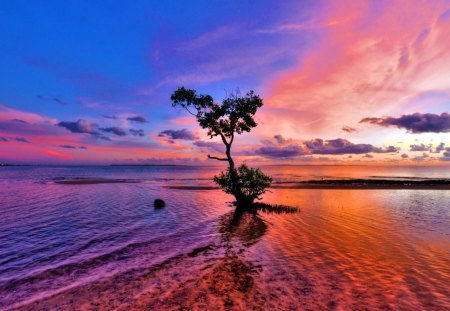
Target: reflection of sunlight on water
[
  {"x": 361, "y": 244},
  {"x": 105, "y": 243}
]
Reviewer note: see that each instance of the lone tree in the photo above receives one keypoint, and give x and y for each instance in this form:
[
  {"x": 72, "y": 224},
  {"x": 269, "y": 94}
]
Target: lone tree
[{"x": 233, "y": 116}]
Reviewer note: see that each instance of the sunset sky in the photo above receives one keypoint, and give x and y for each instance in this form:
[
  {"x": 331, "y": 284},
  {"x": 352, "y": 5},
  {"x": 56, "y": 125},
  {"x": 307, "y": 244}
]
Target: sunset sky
[{"x": 357, "y": 82}]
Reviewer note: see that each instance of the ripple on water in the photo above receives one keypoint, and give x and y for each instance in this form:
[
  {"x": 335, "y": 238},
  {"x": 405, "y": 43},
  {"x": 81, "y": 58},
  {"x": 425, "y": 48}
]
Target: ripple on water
[{"x": 345, "y": 249}]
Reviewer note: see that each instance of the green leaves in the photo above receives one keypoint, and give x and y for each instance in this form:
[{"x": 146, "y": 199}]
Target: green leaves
[{"x": 245, "y": 182}]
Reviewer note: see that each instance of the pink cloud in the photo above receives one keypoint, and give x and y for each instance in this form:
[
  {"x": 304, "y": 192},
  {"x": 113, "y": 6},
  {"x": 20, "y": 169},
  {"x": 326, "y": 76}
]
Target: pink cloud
[{"x": 375, "y": 59}]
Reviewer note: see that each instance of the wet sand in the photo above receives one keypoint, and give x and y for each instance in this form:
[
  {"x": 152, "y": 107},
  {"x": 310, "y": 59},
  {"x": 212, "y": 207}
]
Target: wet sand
[{"x": 220, "y": 278}]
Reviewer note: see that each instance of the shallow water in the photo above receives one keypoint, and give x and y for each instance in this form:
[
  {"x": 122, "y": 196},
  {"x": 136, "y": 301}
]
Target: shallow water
[{"x": 105, "y": 246}]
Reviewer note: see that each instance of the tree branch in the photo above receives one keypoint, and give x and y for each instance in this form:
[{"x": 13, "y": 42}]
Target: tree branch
[
  {"x": 224, "y": 139},
  {"x": 216, "y": 158},
  {"x": 187, "y": 109}
]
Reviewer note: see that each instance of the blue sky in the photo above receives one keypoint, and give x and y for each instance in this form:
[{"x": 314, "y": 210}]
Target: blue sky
[{"x": 320, "y": 66}]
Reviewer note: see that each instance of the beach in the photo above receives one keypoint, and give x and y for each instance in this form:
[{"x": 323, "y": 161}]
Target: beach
[{"x": 89, "y": 238}]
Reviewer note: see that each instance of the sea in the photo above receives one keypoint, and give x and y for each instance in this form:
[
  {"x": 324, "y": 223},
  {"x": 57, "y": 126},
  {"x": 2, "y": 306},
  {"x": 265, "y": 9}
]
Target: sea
[{"x": 103, "y": 245}]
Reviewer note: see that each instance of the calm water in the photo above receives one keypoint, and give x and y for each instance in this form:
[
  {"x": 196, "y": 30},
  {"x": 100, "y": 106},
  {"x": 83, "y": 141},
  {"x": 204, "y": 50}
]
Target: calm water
[{"x": 105, "y": 246}]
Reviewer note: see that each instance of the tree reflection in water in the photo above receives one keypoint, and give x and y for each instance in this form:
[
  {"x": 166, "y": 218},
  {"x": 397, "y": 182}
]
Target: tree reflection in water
[{"x": 246, "y": 226}]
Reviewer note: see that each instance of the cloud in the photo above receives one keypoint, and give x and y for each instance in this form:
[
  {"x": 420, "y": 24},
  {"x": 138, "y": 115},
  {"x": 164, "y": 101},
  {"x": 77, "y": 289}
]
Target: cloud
[
  {"x": 280, "y": 140},
  {"x": 83, "y": 127},
  {"x": 288, "y": 148},
  {"x": 357, "y": 68},
  {"x": 109, "y": 117},
  {"x": 416, "y": 122},
  {"x": 138, "y": 119},
  {"x": 210, "y": 145},
  {"x": 420, "y": 147},
  {"x": 183, "y": 134},
  {"x": 343, "y": 146},
  {"x": 21, "y": 139},
  {"x": 20, "y": 121},
  {"x": 446, "y": 155},
  {"x": 72, "y": 147},
  {"x": 114, "y": 130},
  {"x": 137, "y": 132},
  {"x": 59, "y": 101},
  {"x": 369, "y": 156},
  {"x": 18, "y": 139},
  {"x": 421, "y": 158},
  {"x": 80, "y": 126},
  {"x": 280, "y": 151},
  {"x": 439, "y": 148},
  {"x": 348, "y": 129},
  {"x": 405, "y": 156}
]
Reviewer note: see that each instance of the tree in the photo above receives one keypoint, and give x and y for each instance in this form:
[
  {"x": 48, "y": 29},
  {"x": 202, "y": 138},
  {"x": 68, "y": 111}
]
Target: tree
[{"x": 233, "y": 116}]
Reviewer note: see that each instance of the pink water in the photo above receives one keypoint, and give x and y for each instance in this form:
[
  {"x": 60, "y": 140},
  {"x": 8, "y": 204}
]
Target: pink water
[{"x": 104, "y": 246}]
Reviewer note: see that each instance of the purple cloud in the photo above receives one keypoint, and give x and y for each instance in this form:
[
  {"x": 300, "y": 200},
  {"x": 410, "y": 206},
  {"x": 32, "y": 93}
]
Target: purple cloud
[
  {"x": 80, "y": 126},
  {"x": 280, "y": 140},
  {"x": 83, "y": 127},
  {"x": 114, "y": 130},
  {"x": 420, "y": 147},
  {"x": 138, "y": 119},
  {"x": 421, "y": 158},
  {"x": 183, "y": 134},
  {"x": 416, "y": 122},
  {"x": 343, "y": 146},
  {"x": 439, "y": 148},
  {"x": 446, "y": 155},
  {"x": 18, "y": 139},
  {"x": 109, "y": 117},
  {"x": 280, "y": 151},
  {"x": 21, "y": 139},
  {"x": 20, "y": 121},
  {"x": 348, "y": 129},
  {"x": 137, "y": 132},
  {"x": 72, "y": 147},
  {"x": 210, "y": 145}
]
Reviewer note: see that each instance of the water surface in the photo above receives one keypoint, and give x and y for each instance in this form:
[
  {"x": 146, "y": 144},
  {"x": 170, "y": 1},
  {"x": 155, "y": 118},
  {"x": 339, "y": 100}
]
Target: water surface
[{"x": 105, "y": 246}]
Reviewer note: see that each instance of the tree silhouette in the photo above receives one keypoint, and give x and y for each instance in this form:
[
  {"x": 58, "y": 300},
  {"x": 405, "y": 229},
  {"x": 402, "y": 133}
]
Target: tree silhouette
[{"x": 233, "y": 116}]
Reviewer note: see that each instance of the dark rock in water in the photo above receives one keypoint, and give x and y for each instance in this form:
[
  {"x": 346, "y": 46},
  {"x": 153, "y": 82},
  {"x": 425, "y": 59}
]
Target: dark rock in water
[{"x": 159, "y": 203}]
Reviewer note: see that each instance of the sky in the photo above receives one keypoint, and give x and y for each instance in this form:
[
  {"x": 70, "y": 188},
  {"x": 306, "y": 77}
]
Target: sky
[{"x": 343, "y": 82}]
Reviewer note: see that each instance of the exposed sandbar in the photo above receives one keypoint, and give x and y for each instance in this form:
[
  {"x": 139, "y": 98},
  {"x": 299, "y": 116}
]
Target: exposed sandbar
[
  {"x": 95, "y": 181},
  {"x": 364, "y": 184}
]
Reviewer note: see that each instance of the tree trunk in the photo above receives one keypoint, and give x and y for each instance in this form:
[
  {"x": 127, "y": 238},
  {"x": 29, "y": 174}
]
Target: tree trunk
[
  {"x": 241, "y": 199},
  {"x": 230, "y": 160}
]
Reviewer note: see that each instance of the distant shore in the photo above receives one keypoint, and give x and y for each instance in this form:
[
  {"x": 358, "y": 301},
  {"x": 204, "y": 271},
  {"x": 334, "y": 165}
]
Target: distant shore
[{"x": 367, "y": 184}]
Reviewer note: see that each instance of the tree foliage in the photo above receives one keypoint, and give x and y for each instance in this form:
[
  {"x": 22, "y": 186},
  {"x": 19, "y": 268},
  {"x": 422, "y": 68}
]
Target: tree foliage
[
  {"x": 246, "y": 183},
  {"x": 233, "y": 115}
]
